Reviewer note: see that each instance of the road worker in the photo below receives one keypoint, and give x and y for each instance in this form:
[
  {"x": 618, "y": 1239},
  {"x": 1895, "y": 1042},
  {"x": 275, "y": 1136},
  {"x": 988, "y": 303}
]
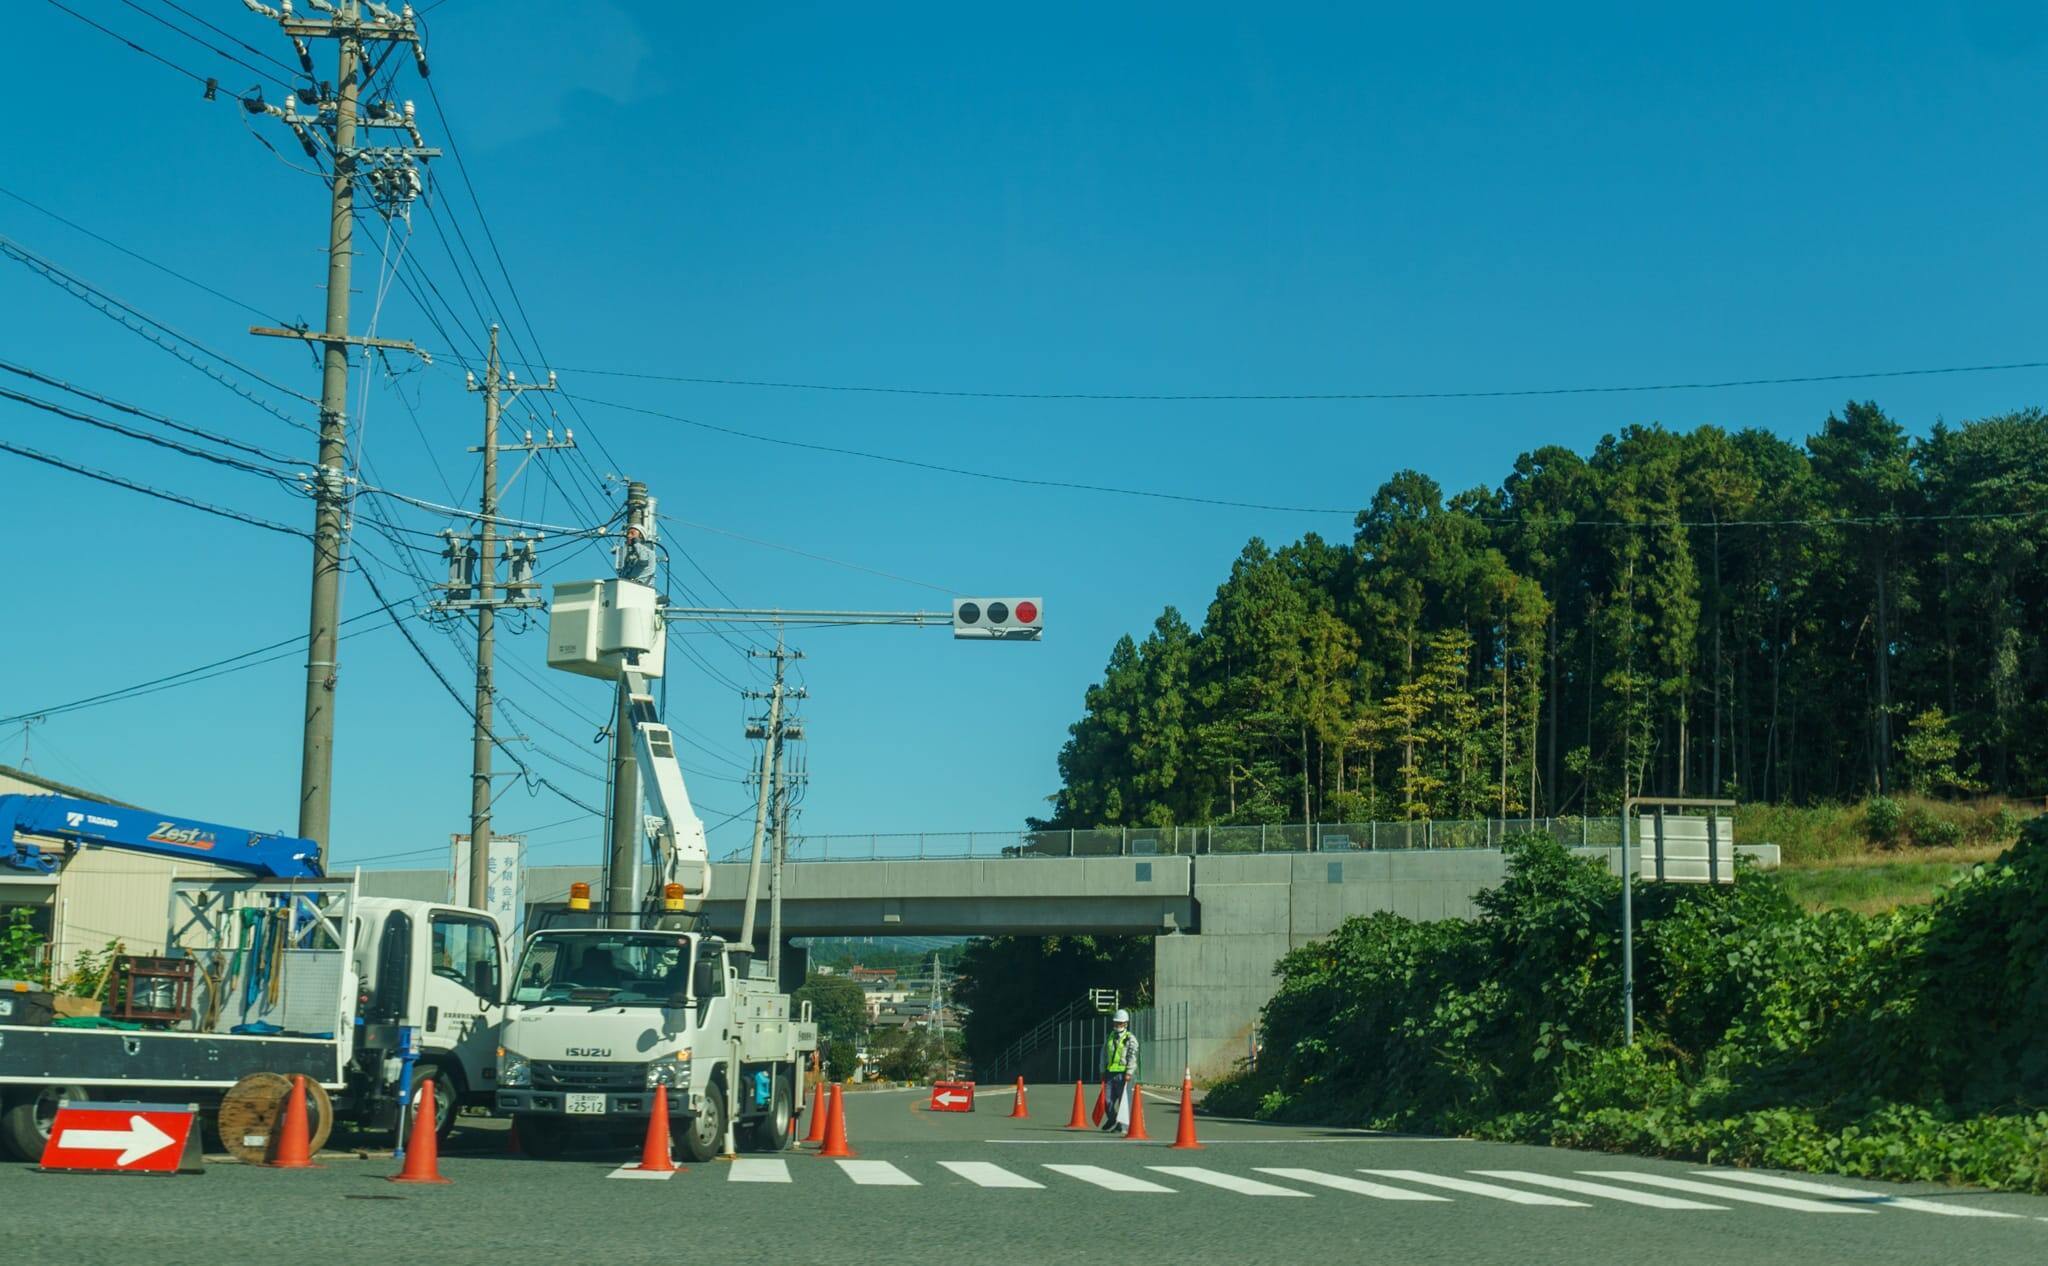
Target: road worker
[{"x": 1120, "y": 1071}]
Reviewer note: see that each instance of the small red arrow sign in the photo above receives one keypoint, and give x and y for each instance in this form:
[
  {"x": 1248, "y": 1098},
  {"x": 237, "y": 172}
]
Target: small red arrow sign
[
  {"x": 952, "y": 1096},
  {"x": 116, "y": 1138}
]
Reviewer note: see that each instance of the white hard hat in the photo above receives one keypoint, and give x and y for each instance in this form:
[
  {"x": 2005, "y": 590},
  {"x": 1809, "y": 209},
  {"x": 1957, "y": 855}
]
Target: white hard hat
[{"x": 1121, "y": 1017}]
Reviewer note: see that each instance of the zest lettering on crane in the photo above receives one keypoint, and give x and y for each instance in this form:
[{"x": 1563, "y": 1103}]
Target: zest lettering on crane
[{"x": 185, "y": 836}]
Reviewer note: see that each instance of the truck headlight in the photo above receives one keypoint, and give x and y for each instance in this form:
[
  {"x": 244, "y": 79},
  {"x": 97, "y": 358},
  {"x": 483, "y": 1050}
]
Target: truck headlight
[
  {"x": 514, "y": 1069},
  {"x": 672, "y": 1071}
]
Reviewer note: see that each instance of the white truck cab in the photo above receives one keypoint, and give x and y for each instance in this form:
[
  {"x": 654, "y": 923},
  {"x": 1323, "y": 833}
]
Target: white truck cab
[{"x": 598, "y": 1018}]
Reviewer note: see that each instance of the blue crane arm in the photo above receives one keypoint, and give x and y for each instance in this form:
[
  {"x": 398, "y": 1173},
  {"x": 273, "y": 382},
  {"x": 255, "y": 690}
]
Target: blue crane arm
[{"x": 140, "y": 831}]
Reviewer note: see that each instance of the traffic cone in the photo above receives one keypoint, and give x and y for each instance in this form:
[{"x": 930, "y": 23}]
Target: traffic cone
[
  {"x": 1079, "y": 1120},
  {"x": 816, "y": 1134},
  {"x": 1137, "y": 1131},
  {"x": 1018, "y": 1109},
  {"x": 290, "y": 1142},
  {"x": 1101, "y": 1104},
  {"x": 422, "y": 1150},
  {"x": 654, "y": 1153},
  {"x": 1184, "y": 1138},
  {"x": 835, "y": 1130}
]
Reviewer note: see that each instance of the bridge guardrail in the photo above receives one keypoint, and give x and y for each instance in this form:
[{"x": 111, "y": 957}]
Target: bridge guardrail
[{"x": 1190, "y": 841}]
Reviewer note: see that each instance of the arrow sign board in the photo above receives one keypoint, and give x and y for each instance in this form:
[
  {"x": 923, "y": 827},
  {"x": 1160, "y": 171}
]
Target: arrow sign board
[
  {"x": 118, "y": 1138},
  {"x": 952, "y": 1096}
]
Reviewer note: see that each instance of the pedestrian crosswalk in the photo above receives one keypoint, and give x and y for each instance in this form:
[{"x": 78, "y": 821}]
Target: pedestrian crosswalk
[{"x": 1565, "y": 1193}]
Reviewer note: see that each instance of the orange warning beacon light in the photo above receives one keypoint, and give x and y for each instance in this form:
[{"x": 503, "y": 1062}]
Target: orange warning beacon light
[
  {"x": 672, "y": 897},
  {"x": 579, "y": 896}
]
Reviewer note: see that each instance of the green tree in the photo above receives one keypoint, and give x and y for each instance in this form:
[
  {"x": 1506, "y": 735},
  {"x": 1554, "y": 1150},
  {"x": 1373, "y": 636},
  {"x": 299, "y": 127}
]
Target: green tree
[
  {"x": 1927, "y": 754},
  {"x": 840, "y": 1005}
]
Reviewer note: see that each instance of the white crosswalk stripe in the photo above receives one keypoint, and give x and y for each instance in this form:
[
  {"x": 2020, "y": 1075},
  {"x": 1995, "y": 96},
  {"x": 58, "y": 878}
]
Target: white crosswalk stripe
[
  {"x": 1357, "y": 1186},
  {"x": 1721, "y": 1191},
  {"x": 1581, "y": 1187},
  {"x": 876, "y": 1173},
  {"x": 1228, "y": 1182},
  {"x": 984, "y": 1174},
  {"x": 1466, "y": 1185},
  {"x": 759, "y": 1170},
  {"x": 1109, "y": 1179},
  {"x": 1875, "y": 1198}
]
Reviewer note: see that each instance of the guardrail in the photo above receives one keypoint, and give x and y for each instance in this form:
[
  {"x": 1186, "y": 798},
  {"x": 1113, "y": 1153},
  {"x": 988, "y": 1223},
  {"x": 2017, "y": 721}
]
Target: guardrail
[{"x": 1188, "y": 841}]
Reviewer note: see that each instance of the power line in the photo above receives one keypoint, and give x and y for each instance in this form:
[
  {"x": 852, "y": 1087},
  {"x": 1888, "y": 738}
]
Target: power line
[
  {"x": 145, "y": 414},
  {"x": 140, "y": 257},
  {"x": 203, "y": 81},
  {"x": 218, "y": 459},
  {"x": 232, "y": 37},
  {"x": 163, "y": 21},
  {"x": 146, "y": 490},
  {"x": 1310, "y": 396},
  {"x": 801, "y": 553}
]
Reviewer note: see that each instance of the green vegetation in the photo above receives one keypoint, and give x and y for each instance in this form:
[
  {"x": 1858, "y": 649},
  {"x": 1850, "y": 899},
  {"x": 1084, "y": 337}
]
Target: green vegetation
[
  {"x": 1902, "y": 1045},
  {"x": 22, "y": 948},
  {"x": 1881, "y": 828},
  {"x": 1879, "y": 886},
  {"x": 1707, "y": 612},
  {"x": 841, "y": 1006},
  {"x": 1008, "y": 984}
]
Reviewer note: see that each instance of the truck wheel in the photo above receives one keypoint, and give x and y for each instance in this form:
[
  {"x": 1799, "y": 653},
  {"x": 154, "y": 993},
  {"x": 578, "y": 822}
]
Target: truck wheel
[
  {"x": 777, "y": 1130},
  {"x": 543, "y": 1138},
  {"x": 447, "y": 1098},
  {"x": 25, "y": 1126},
  {"x": 705, "y": 1137}
]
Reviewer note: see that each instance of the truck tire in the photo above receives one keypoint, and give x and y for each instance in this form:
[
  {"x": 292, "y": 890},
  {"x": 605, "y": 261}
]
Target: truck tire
[
  {"x": 704, "y": 1137},
  {"x": 775, "y": 1131},
  {"x": 25, "y": 1125},
  {"x": 447, "y": 1097}
]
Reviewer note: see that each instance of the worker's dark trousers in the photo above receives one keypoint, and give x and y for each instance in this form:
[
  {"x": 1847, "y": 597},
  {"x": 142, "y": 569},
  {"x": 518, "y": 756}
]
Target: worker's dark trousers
[{"x": 1118, "y": 1083}]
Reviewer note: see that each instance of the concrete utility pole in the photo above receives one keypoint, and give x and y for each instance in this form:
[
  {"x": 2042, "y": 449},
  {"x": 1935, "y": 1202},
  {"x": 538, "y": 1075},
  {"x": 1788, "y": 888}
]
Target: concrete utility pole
[
  {"x": 785, "y": 783},
  {"x": 636, "y": 562},
  {"x": 520, "y": 591},
  {"x": 332, "y": 113},
  {"x": 772, "y": 732}
]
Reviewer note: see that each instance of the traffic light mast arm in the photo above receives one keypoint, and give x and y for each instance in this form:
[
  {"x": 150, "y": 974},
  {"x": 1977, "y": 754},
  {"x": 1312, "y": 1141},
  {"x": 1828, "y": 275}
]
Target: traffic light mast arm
[{"x": 776, "y": 615}]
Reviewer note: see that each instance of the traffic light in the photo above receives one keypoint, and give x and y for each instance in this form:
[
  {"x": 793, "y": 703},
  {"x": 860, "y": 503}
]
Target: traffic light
[{"x": 1020, "y": 618}]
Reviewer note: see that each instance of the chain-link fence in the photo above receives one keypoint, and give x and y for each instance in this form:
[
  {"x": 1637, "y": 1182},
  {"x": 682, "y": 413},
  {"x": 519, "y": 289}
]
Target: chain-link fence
[{"x": 1324, "y": 837}]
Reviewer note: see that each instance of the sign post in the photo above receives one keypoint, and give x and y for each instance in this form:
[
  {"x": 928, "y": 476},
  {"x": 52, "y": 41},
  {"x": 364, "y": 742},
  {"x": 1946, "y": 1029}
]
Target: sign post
[{"x": 1691, "y": 850}]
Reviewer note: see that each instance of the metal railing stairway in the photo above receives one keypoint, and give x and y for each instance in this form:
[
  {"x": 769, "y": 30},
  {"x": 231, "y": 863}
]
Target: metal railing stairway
[{"x": 1008, "y": 1064}]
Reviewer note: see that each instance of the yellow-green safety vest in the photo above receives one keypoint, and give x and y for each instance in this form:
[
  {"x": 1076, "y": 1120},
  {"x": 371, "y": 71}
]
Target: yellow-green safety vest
[{"x": 1118, "y": 1050}]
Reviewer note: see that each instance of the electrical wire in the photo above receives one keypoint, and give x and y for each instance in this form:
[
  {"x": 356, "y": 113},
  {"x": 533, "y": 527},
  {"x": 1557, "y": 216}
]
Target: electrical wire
[
  {"x": 218, "y": 459},
  {"x": 146, "y": 490},
  {"x": 165, "y": 22},
  {"x": 145, "y": 414},
  {"x": 203, "y": 81},
  {"x": 801, "y": 553}
]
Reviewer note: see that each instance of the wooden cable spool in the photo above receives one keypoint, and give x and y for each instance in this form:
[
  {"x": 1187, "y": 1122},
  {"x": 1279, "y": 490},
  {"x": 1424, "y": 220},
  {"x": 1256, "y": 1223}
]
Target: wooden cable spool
[{"x": 249, "y": 1113}]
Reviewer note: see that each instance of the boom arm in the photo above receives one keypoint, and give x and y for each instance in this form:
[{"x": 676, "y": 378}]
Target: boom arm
[
  {"x": 140, "y": 831},
  {"x": 682, "y": 855}
]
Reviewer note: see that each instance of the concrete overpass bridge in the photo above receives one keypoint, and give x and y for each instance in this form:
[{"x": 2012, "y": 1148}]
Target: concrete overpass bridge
[{"x": 1221, "y": 918}]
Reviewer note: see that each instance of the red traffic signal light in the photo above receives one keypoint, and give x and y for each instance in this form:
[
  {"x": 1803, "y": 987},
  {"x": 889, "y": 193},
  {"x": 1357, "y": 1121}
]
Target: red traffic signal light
[{"x": 995, "y": 619}]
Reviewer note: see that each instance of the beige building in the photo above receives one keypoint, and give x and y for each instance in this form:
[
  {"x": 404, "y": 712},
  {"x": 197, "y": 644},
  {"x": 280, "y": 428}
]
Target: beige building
[{"x": 98, "y": 895}]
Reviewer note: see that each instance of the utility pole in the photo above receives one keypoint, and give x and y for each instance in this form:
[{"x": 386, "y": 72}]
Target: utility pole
[
  {"x": 785, "y": 782},
  {"x": 332, "y": 112},
  {"x": 771, "y": 731},
  {"x": 636, "y": 562},
  {"x": 473, "y": 585}
]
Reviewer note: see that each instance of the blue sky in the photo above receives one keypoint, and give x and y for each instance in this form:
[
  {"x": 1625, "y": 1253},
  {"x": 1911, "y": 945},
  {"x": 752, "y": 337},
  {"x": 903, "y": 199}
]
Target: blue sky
[{"x": 1179, "y": 199}]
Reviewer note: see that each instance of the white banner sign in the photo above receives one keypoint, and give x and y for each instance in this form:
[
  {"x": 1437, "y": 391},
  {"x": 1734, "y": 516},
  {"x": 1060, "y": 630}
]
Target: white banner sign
[{"x": 504, "y": 896}]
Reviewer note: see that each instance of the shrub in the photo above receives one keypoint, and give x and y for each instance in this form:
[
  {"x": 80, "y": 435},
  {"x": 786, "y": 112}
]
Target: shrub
[{"x": 1882, "y": 817}]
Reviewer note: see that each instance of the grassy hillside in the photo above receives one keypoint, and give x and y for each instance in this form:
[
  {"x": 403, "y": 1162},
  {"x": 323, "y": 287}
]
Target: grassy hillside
[{"x": 1882, "y": 853}]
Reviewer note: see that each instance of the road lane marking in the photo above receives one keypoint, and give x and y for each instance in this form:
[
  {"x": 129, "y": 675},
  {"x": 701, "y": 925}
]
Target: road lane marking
[
  {"x": 1584, "y": 1188},
  {"x": 873, "y": 1173},
  {"x": 634, "y": 1171},
  {"x": 1108, "y": 1178},
  {"x": 1720, "y": 1192},
  {"x": 1229, "y": 1182},
  {"x": 1469, "y": 1187},
  {"x": 1357, "y": 1186},
  {"x": 759, "y": 1170},
  {"x": 984, "y": 1174},
  {"x": 1851, "y": 1194}
]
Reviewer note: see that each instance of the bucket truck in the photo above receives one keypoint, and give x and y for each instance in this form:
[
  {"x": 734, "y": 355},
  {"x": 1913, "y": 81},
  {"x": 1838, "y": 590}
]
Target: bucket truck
[
  {"x": 608, "y": 1005},
  {"x": 282, "y": 972}
]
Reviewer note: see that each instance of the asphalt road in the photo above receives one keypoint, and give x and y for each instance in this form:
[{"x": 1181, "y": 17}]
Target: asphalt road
[{"x": 954, "y": 1188}]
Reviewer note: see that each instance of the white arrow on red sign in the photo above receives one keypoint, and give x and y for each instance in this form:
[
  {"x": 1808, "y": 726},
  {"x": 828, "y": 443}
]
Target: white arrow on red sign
[
  {"x": 140, "y": 1139},
  {"x": 948, "y": 1098}
]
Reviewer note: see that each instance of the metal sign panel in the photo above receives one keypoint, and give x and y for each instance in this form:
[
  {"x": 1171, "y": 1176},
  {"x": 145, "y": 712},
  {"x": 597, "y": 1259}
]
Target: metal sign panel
[
  {"x": 1676, "y": 849},
  {"x": 119, "y": 1138},
  {"x": 952, "y": 1096}
]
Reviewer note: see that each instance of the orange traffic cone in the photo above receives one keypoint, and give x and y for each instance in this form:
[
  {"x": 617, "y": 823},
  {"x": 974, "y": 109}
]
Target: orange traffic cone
[
  {"x": 816, "y": 1134},
  {"x": 1018, "y": 1109},
  {"x": 1079, "y": 1120},
  {"x": 654, "y": 1154},
  {"x": 290, "y": 1145},
  {"x": 1137, "y": 1130},
  {"x": 1184, "y": 1138},
  {"x": 835, "y": 1130},
  {"x": 422, "y": 1150},
  {"x": 1101, "y": 1104}
]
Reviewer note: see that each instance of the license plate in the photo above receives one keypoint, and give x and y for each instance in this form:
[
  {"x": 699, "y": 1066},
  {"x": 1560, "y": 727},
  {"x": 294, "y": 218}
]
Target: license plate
[{"x": 586, "y": 1105}]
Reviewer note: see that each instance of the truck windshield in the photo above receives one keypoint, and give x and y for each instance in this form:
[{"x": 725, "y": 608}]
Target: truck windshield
[{"x": 606, "y": 969}]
